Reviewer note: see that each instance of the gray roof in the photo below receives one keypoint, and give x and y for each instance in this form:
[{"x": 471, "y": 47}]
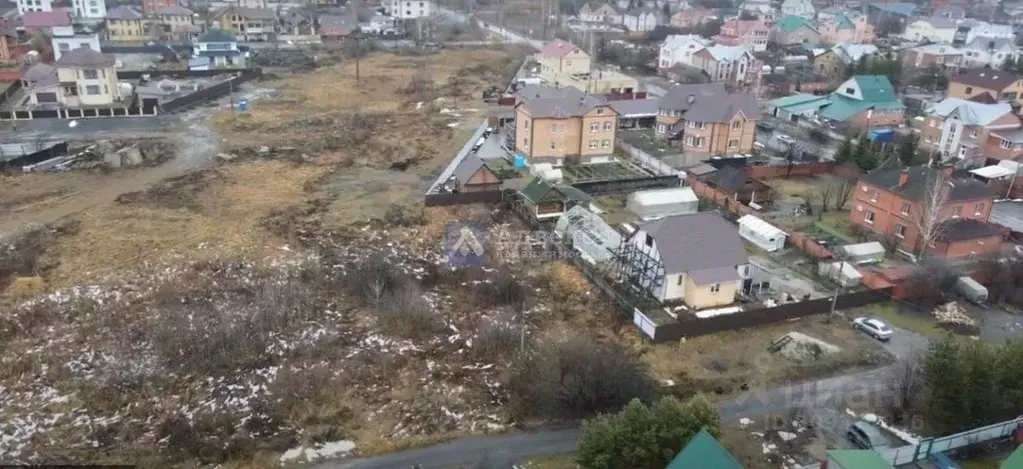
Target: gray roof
[
  {"x": 336, "y": 21},
  {"x": 176, "y": 10},
  {"x": 715, "y": 275},
  {"x": 1014, "y": 136},
  {"x": 919, "y": 179},
  {"x": 249, "y": 13},
  {"x": 724, "y": 108},
  {"x": 960, "y": 229},
  {"x": 562, "y": 107},
  {"x": 124, "y": 12},
  {"x": 295, "y": 18},
  {"x": 694, "y": 242},
  {"x": 683, "y": 97},
  {"x": 700, "y": 169},
  {"x": 85, "y": 58},
  {"x": 217, "y": 35},
  {"x": 729, "y": 178},
  {"x": 942, "y": 22},
  {"x": 985, "y": 42},
  {"x": 528, "y": 92},
  {"x": 469, "y": 166},
  {"x": 636, "y": 107},
  {"x": 39, "y": 71}
]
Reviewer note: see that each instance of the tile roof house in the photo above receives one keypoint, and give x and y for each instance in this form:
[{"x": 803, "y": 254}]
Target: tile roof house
[
  {"x": 892, "y": 203},
  {"x": 707, "y": 119},
  {"x": 570, "y": 128},
  {"x": 250, "y": 24},
  {"x": 547, "y": 200},
  {"x": 126, "y": 24},
  {"x": 751, "y": 34},
  {"x": 735, "y": 65},
  {"x": 699, "y": 257},
  {"x": 703, "y": 450},
  {"x": 82, "y": 77},
  {"x": 935, "y": 30},
  {"x": 599, "y": 13},
  {"x": 966, "y": 129},
  {"x": 679, "y": 49},
  {"x": 941, "y": 55},
  {"x": 846, "y": 28},
  {"x": 642, "y": 19},
  {"x": 559, "y": 58},
  {"x": 336, "y": 26},
  {"x": 835, "y": 61},
  {"x": 216, "y": 49},
  {"x": 691, "y": 17},
  {"x": 1001, "y": 85},
  {"x": 473, "y": 175}
]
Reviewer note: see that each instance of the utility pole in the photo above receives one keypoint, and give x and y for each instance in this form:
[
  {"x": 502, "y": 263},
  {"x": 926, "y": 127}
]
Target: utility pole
[
  {"x": 358, "y": 38},
  {"x": 230, "y": 93}
]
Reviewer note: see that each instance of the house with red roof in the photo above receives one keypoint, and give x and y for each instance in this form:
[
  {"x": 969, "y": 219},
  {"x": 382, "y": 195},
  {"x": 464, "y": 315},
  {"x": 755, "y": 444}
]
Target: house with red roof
[
  {"x": 560, "y": 58},
  {"x": 751, "y": 34}
]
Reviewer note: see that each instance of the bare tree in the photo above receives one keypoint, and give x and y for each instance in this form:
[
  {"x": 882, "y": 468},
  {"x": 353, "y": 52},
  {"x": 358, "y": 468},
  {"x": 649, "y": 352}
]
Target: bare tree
[
  {"x": 907, "y": 378},
  {"x": 843, "y": 192},
  {"x": 928, "y": 220},
  {"x": 825, "y": 193}
]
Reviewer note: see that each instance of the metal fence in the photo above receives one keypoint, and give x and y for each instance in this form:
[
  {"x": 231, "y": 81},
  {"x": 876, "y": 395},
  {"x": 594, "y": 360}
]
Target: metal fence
[
  {"x": 912, "y": 453},
  {"x": 758, "y": 317},
  {"x": 646, "y": 160},
  {"x": 213, "y": 92}
]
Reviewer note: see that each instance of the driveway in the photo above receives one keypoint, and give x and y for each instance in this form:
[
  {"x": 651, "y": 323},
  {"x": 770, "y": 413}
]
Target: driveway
[
  {"x": 996, "y": 324},
  {"x": 825, "y": 398}
]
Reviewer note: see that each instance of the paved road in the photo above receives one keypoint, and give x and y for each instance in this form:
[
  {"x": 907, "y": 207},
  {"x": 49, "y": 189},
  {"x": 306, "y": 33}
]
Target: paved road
[{"x": 504, "y": 451}]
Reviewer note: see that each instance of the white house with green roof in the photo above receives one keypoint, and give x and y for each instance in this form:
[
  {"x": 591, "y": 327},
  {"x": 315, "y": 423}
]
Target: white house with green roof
[{"x": 793, "y": 29}]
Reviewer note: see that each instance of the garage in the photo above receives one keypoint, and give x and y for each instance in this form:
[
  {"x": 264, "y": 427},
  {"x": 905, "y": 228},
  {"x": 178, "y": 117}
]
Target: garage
[{"x": 50, "y": 97}]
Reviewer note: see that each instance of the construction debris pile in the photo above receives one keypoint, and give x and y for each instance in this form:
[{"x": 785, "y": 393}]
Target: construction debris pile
[
  {"x": 110, "y": 154},
  {"x": 952, "y": 316}
]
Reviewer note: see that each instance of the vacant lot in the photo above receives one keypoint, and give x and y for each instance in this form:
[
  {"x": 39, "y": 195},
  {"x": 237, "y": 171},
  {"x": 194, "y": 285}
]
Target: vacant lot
[{"x": 723, "y": 363}]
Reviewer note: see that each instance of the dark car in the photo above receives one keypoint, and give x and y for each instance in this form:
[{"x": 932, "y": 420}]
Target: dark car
[{"x": 765, "y": 127}]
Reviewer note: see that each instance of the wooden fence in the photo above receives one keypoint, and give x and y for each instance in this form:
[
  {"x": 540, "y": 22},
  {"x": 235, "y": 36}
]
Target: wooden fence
[
  {"x": 758, "y": 317},
  {"x": 458, "y": 198},
  {"x": 804, "y": 169}
]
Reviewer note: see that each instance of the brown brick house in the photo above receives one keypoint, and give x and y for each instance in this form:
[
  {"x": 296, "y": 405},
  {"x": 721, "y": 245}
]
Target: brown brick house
[
  {"x": 891, "y": 203},
  {"x": 707, "y": 119},
  {"x": 575, "y": 127},
  {"x": 999, "y": 84}
]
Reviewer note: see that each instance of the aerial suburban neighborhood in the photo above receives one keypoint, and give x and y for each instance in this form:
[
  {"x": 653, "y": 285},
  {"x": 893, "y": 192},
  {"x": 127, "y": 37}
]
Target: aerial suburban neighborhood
[{"x": 529, "y": 234}]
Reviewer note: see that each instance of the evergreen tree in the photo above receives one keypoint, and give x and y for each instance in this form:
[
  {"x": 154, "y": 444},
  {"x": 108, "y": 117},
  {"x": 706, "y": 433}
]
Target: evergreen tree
[
  {"x": 864, "y": 156},
  {"x": 1009, "y": 65},
  {"x": 846, "y": 152},
  {"x": 944, "y": 394},
  {"x": 644, "y": 438},
  {"x": 863, "y": 66},
  {"x": 666, "y": 10},
  {"x": 907, "y": 149},
  {"x": 981, "y": 392}
]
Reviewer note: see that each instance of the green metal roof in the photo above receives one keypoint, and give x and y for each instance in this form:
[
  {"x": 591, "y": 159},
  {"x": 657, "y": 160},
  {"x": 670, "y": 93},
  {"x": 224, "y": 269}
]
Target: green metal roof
[
  {"x": 793, "y": 100},
  {"x": 703, "y": 451},
  {"x": 857, "y": 459},
  {"x": 875, "y": 88},
  {"x": 1015, "y": 460},
  {"x": 791, "y": 23},
  {"x": 539, "y": 190},
  {"x": 807, "y": 106},
  {"x": 845, "y": 23},
  {"x": 842, "y": 108}
]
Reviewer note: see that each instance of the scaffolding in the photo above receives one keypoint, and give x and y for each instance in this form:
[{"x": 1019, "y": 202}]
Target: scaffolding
[{"x": 635, "y": 266}]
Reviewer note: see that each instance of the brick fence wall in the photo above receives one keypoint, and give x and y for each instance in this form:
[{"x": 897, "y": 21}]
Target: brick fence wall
[{"x": 807, "y": 169}]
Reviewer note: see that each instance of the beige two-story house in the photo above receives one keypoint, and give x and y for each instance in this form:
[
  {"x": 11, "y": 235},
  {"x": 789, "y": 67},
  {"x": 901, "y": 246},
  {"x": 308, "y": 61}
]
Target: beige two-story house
[
  {"x": 568, "y": 129},
  {"x": 81, "y": 78},
  {"x": 696, "y": 259},
  {"x": 708, "y": 120},
  {"x": 562, "y": 58}
]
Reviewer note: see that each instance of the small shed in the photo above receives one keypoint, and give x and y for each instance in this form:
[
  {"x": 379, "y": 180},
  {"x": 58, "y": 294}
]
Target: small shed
[
  {"x": 659, "y": 203},
  {"x": 590, "y": 235},
  {"x": 473, "y": 175},
  {"x": 761, "y": 233},
  {"x": 842, "y": 272},
  {"x": 864, "y": 253}
]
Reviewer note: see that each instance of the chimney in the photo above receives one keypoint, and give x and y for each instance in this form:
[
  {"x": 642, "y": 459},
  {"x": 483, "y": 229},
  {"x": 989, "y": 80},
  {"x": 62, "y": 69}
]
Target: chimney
[{"x": 903, "y": 177}]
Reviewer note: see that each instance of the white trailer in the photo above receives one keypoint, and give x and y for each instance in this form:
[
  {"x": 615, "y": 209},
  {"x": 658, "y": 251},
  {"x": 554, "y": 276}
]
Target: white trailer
[{"x": 971, "y": 289}]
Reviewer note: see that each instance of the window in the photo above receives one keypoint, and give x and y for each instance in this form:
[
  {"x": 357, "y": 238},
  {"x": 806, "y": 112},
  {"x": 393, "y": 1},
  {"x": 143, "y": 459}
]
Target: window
[
  {"x": 850, "y": 91},
  {"x": 605, "y": 144},
  {"x": 600, "y": 110},
  {"x": 92, "y": 89},
  {"x": 979, "y": 209},
  {"x": 594, "y": 126},
  {"x": 900, "y": 231},
  {"x": 905, "y": 208},
  {"x": 733, "y": 143},
  {"x": 649, "y": 240},
  {"x": 592, "y": 145},
  {"x": 697, "y": 125},
  {"x": 555, "y": 128},
  {"x": 969, "y": 89},
  {"x": 525, "y": 124},
  {"x": 957, "y": 211},
  {"x": 736, "y": 125},
  {"x": 90, "y": 74},
  {"x": 869, "y": 217},
  {"x": 554, "y": 146},
  {"x": 1005, "y": 144},
  {"x": 715, "y": 288},
  {"x": 873, "y": 196},
  {"x": 974, "y": 133},
  {"x": 679, "y": 280},
  {"x": 607, "y": 126},
  {"x": 525, "y": 142},
  {"x": 63, "y": 46}
]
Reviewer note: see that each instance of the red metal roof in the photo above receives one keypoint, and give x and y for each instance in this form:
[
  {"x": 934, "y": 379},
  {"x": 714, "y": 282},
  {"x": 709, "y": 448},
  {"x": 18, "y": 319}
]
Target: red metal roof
[{"x": 559, "y": 48}]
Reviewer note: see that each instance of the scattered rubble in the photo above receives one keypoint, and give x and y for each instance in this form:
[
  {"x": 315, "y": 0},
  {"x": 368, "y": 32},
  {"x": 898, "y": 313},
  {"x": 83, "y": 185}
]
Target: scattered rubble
[
  {"x": 952, "y": 316},
  {"x": 110, "y": 154}
]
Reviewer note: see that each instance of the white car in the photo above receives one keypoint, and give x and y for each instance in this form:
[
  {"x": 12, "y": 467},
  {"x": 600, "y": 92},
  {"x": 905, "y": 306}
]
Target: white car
[
  {"x": 785, "y": 139},
  {"x": 874, "y": 328}
]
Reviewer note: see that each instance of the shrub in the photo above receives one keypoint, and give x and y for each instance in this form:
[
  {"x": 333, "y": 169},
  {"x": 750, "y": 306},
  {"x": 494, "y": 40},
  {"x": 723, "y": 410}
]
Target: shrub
[
  {"x": 496, "y": 339},
  {"x": 400, "y": 215},
  {"x": 503, "y": 290},
  {"x": 405, "y": 313},
  {"x": 375, "y": 279},
  {"x": 574, "y": 378}
]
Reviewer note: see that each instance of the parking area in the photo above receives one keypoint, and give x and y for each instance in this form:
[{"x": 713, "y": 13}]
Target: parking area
[
  {"x": 772, "y": 133},
  {"x": 494, "y": 145}
]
